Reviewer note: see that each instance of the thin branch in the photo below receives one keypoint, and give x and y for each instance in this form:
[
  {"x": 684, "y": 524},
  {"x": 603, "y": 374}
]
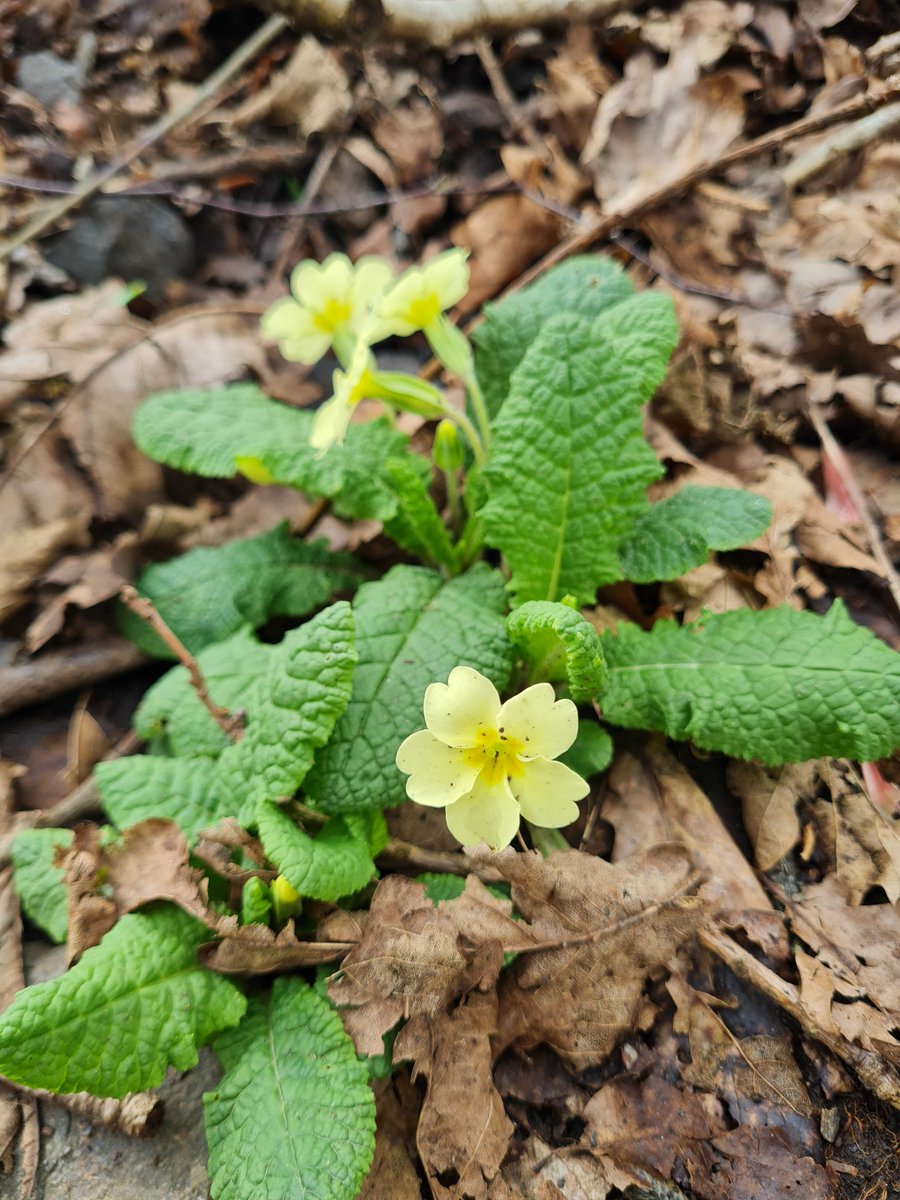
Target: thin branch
[
  {"x": 503, "y": 94},
  {"x": 46, "y": 675},
  {"x": 404, "y": 855},
  {"x": 878, "y": 1075},
  {"x": 845, "y": 141},
  {"x": 841, "y": 464},
  {"x": 142, "y": 607},
  {"x": 235, "y": 63}
]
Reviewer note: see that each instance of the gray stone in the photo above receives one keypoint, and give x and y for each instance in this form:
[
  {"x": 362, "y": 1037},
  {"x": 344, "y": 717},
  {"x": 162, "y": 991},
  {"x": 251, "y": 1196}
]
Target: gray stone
[
  {"x": 80, "y": 1161},
  {"x": 137, "y": 238},
  {"x": 50, "y": 78}
]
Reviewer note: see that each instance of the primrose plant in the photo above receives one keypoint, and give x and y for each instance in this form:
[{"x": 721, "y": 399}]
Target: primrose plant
[{"x": 478, "y": 632}]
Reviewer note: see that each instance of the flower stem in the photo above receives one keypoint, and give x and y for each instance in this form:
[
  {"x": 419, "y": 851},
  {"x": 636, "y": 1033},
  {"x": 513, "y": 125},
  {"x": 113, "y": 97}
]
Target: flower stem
[
  {"x": 547, "y": 841},
  {"x": 462, "y": 420},
  {"x": 476, "y": 395}
]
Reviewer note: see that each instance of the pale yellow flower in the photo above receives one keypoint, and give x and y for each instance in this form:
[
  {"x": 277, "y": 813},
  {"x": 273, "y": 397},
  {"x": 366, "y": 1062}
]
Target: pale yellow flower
[
  {"x": 349, "y": 387},
  {"x": 489, "y": 764},
  {"x": 330, "y": 304},
  {"x": 421, "y": 294}
]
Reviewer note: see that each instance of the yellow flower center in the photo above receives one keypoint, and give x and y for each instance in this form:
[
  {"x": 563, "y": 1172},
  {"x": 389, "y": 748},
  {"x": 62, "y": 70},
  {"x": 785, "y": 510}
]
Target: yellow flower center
[
  {"x": 496, "y": 754},
  {"x": 424, "y": 309},
  {"x": 332, "y": 315}
]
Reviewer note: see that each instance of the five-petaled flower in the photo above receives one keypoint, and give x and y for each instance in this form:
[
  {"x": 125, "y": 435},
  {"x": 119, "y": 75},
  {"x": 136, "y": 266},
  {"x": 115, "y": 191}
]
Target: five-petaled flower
[
  {"x": 331, "y": 303},
  {"x": 488, "y": 764},
  {"x": 421, "y": 295}
]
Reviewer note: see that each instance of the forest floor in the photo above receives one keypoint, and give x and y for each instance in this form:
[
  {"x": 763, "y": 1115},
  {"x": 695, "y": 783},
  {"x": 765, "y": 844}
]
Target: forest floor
[{"x": 741, "y": 157}]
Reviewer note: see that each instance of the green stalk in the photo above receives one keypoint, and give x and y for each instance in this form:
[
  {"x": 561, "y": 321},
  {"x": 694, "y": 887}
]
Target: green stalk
[{"x": 547, "y": 841}]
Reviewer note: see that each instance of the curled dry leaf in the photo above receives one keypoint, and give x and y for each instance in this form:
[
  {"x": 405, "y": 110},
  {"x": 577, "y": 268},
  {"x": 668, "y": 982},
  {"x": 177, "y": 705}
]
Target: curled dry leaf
[
  {"x": 860, "y": 841},
  {"x": 602, "y": 929},
  {"x": 769, "y": 803},
  {"x": 90, "y": 914},
  {"x": 311, "y": 92},
  {"x": 463, "y": 1131},
  {"x": 25, "y": 553},
  {"x": 415, "y": 959}
]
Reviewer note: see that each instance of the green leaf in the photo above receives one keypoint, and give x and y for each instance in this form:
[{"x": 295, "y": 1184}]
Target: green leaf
[
  {"x": 39, "y": 884},
  {"x": 591, "y": 752},
  {"x": 558, "y": 644},
  {"x": 204, "y": 432},
  {"x": 417, "y": 526},
  {"x": 133, "y": 1005},
  {"x": 171, "y": 713},
  {"x": 569, "y": 466},
  {"x": 184, "y": 790},
  {"x": 334, "y": 863},
  {"x": 305, "y": 689},
  {"x": 780, "y": 685},
  {"x": 256, "y": 902},
  {"x": 293, "y": 1115},
  {"x": 583, "y": 286},
  {"x": 412, "y": 629},
  {"x": 204, "y": 596},
  {"x": 678, "y": 534}
]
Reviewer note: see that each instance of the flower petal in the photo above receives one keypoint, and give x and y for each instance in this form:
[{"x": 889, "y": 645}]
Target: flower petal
[
  {"x": 293, "y": 327},
  {"x": 314, "y": 284},
  {"x": 457, "y": 711},
  {"x": 487, "y": 814},
  {"x": 547, "y": 791},
  {"x": 545, "y": 726},
  {"x": 448, "y": 275},
  {"x": 393, "y": 313},
  {"x": 331, "y": 423},
  {"x": 438, "y": 775},
  {"x": 371, "y": 278}
]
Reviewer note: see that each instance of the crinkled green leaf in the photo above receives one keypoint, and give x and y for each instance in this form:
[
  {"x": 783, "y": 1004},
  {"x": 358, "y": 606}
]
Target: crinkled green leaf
[
  {"x": 305, "y": 689},
  {"x": 412, "y": 629},
  {"x": 780, "y": 685},
  {"x": 184, "y": 790},
  {"x": 569, "y": 465},
  {"x": 678, "y": 534},
  {"x": 256, "y": 902},
  {"x": 417, "y": 525},
  {"x": 204, "y": 432},
  {"x": 132, "y": 1006},
  {"x": 208, "y": 593},
  {"x": 171, "y": 713},
  {"x": 39, "y": 884},
  {"x": 591, "y": 751},
  {"x": 558, "y": 644},
  {"x": 583, "y": 286},
  {"x": 331, "y": 863},
  {"x": 293, "y": 1116}
]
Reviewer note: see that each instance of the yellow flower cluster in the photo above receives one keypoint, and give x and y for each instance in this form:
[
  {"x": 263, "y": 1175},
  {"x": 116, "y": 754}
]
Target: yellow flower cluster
[{"x": 350, "y": 307}]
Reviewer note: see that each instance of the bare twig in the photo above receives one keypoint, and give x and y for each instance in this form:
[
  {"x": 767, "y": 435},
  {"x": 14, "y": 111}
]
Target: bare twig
[
  {"x": 872, "y": 1070},
  {"x": 841, "y": 464},
  {"x": 142, "y": 607},
  {"x": 509, "y": 106},
  {"x": 861, "y": 133},
  {"x": 47, "y": 675},
  {"x": 235, "y": 62},
  {"x": 403, "y": 855}
]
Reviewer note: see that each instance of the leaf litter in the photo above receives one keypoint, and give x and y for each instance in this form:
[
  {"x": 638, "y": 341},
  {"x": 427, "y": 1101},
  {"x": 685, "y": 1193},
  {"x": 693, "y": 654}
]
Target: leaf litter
[{"x": 802, "y": 312}]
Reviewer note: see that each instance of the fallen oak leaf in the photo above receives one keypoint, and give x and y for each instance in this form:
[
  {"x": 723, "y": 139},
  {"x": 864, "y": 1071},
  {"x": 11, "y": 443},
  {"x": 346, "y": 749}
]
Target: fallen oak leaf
[
  {"x": 463, "y": 1131},
  {"x": 600, "y": 930},
  {"x": 90, "y": 915}
]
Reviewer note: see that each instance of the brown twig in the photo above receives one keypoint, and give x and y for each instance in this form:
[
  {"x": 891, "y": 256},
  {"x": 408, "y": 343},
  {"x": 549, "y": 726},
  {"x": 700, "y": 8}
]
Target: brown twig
[
  {"x": 509, "y": 106},
  {"x": 861, "y": 133},
  {"x": 404, "y": 855},
  {"x": 872, "y": 1070},
  {"x": 841, "y": 464},
  {"x": 142, "y": 607},
  {"x": 235, "y": 62},
  {"x": 47, "y": 675}
]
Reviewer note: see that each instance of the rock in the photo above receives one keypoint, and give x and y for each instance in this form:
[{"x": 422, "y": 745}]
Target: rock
[
  {"x": 138, "y": 238},
  {"x": 50, "y": 79}
]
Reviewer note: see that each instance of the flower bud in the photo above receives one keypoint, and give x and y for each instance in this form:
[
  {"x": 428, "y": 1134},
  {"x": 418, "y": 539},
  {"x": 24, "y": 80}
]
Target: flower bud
[{"x": 447, "y": 451}]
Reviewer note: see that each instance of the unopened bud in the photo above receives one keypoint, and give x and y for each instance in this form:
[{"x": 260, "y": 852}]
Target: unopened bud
[{"x": 447, "y": 451}]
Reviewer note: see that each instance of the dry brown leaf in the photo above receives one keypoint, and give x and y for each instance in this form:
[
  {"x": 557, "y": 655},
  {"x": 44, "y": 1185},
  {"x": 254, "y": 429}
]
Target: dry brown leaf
[
  {"x": 540, "y": 1172},
  {"x": 67, "y": 337},
  {"x": 414, "y": 959},
  {"x": 695, "y": 118},
  {"x": 196, "y": 348},
  {"x": 862, "y": 842},
  {"x": 769, "y": 803},
  {"x": 463, "y": 1131},
  {"x": 505, "y": 235},
  {"x": 605, "y": 929},
  {"x": 311, "y": 91},
  {"x": 393, "y": 1175},
  {"x": 412, "y": 138},
  {"x": 27, "y": 551},
  {"x": 90, "y": 914},
  {"x": 86, "y": 744},
  {"x": 41, "y": 485}
]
